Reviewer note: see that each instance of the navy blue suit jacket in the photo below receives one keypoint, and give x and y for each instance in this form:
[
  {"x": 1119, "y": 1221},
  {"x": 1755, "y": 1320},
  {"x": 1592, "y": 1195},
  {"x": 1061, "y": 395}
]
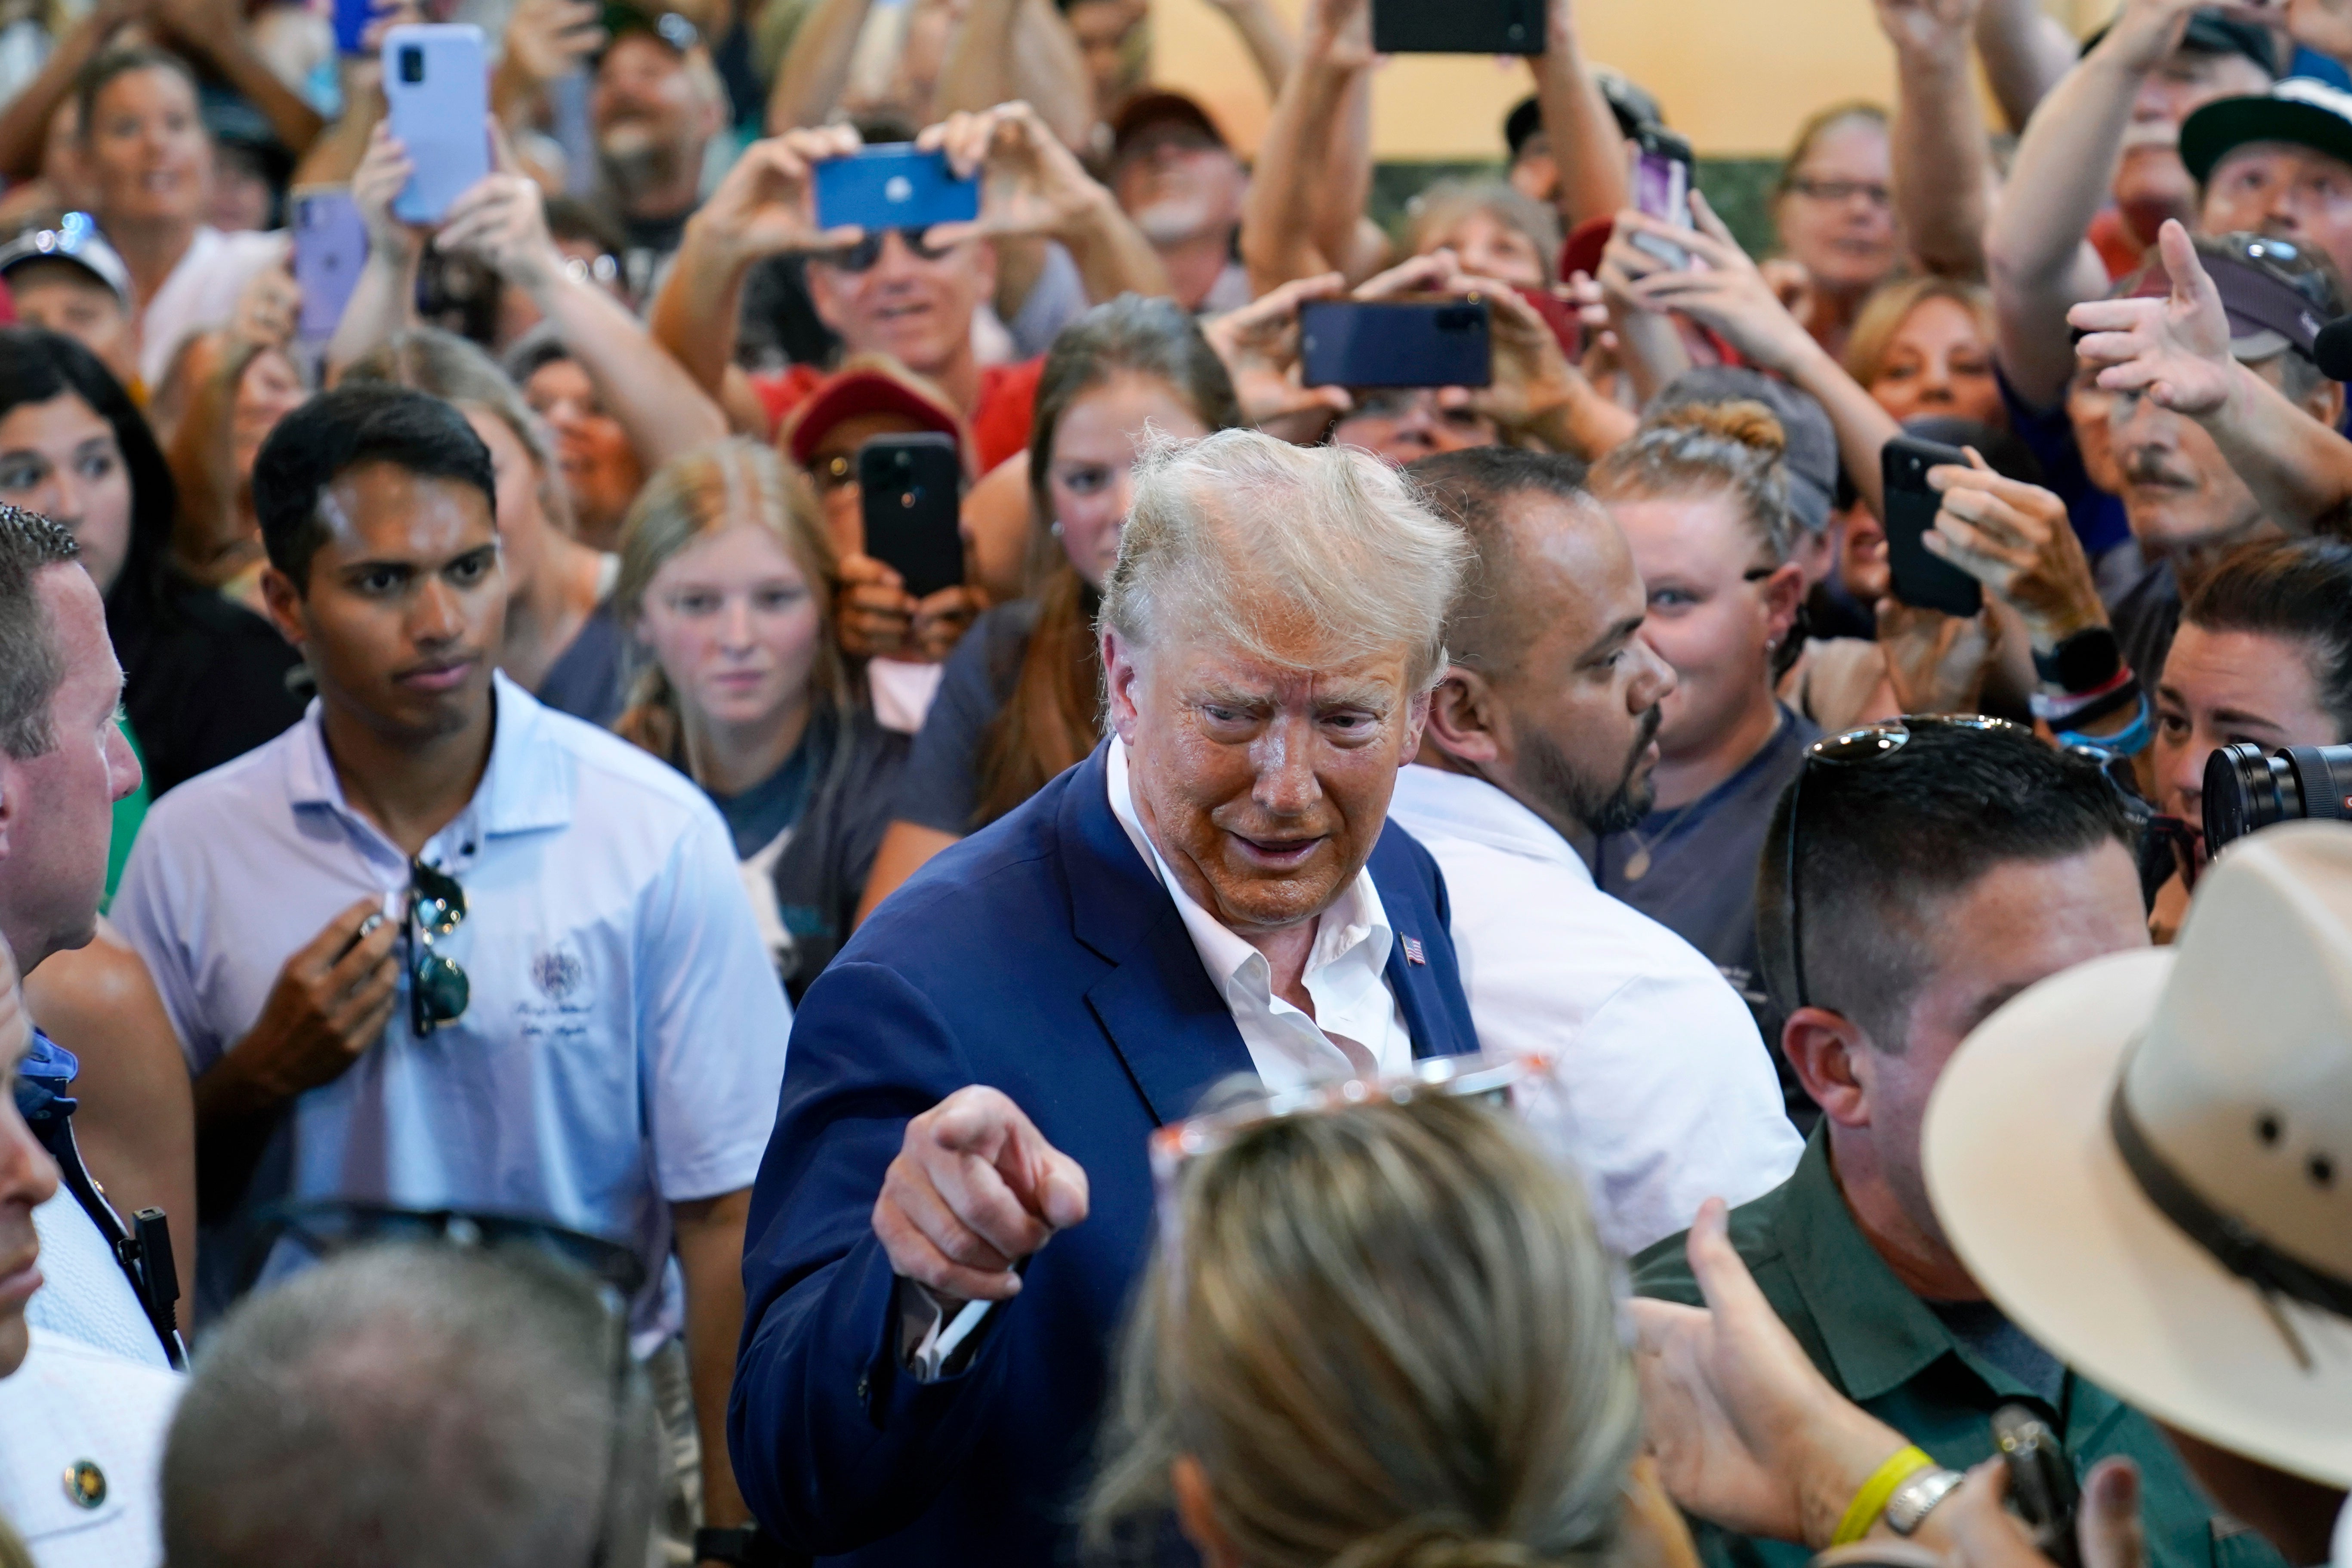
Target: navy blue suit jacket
[{"x": 1042, "y": 957}]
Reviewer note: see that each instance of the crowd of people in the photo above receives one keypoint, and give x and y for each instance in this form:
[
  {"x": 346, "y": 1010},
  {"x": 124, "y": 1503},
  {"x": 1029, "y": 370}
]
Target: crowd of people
[{"x": 1633, "y": 960}]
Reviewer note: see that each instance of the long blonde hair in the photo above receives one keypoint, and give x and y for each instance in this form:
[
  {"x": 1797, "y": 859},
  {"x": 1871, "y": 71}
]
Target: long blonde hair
[
  {"x": 707, "y": 491},
  {"x": 1391, "y": 1342},
  {"x": 1891, "y": 304}
]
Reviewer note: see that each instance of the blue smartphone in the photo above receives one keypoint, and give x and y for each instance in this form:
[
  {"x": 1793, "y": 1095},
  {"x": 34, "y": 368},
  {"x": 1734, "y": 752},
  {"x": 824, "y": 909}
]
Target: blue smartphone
[
  {"x": 437, "y": 94},
  {"x": 331, "y": 244},
  {"x": 1382, "y": 342},
  {"x": 893, "y": 186},
  {"x": 352, "y": 17}
]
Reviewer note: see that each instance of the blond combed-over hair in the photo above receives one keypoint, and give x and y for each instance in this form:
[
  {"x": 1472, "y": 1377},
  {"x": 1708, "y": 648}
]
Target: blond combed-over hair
[{"x": 1286, "y": 554}]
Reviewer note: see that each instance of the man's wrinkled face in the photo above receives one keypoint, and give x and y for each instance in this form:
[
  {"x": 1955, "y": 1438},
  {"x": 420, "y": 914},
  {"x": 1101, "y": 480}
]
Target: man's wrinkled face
[
  {"x": 1264, "y": 786},
  {"x": 2179, "y": 491},
  {"x": 57, "y": 810},
  {"x": 1176, "y": 182}
]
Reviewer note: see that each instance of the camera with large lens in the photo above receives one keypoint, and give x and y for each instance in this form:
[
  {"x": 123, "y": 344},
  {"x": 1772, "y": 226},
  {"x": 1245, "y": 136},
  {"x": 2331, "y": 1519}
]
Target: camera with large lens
[{"x": 2245, "y": 789}]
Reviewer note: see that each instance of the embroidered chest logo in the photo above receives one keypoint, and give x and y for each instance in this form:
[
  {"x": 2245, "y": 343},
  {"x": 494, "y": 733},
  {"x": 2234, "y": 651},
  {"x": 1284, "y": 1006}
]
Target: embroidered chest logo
[{"x": 557, "y": 972}]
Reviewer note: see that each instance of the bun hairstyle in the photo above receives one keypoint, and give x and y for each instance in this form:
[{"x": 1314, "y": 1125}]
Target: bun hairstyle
[
  {"x": 1695, "y": 449},
  {"x": 1388, "y": 1336}
]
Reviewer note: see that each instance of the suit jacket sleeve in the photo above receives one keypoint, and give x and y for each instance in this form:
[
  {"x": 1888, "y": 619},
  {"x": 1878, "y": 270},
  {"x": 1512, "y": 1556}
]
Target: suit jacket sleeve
[{"x": 834, "y": 1445}]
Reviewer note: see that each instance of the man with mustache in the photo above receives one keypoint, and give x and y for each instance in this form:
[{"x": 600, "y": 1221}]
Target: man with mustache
[
  {"x": 2185, "y": 504},
  {"x": 1541, "y": 736}
]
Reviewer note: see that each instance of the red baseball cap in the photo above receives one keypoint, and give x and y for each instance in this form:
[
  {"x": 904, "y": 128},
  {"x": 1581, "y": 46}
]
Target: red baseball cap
[{"x": 868, "y": 384}]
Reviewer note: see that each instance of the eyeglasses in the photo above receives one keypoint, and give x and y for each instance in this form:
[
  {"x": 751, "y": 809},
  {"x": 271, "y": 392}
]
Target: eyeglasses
[
  {"x": 862, "y": 256},
  {"x": 326, "y": 1227},
  {"x": 1877, "y": 194},
  {"x": 1866, "y": 744},
  {"x": 437, "y": 989},
  {"x": 1521, "y": 1085}
]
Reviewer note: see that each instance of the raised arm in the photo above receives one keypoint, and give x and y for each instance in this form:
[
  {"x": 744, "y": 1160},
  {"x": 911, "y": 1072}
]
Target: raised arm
[
  {"x": 2035, "y": 255},
  {"x": 2177, "y": 351},
  {"x": 1271, "y": 47},
  {"x": 1035, "y": 187},
  {"x": 1279, "y": 240},
  {"x": 24, "y": 119},
  {"x": 545, "y": 41},
  {"x": 1008, "y": 50},
  {"x": 2025, "y": 53},
  {"x": 384, "y": 301},
  {"x": 1729, "y": 295},
  {"x": 216, "y": 31},
  {"x": 666, "y": 414},
  {"x": 764, "y": 207},
  {"x": 1586, "y": 144},
  {"x": 815, "y": 70},
  {"x": 1942, "y": 181}
]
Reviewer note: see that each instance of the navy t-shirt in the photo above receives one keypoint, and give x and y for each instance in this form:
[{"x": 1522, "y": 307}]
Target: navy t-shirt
[{"x": 941, "y": 786}]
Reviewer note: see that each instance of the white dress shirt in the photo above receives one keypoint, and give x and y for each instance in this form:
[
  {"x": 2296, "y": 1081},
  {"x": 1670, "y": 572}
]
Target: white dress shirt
[
  {"x": 1668, "y": 1086},
  {"x": 81, "y": 1440},
  {"x": 1358, "y": 1029}
]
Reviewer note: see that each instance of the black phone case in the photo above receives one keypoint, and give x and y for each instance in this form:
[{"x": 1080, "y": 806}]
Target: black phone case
[
  {"x": 1920, "y": 579},
  {"x": 910, "y": 489},
  {"x": 1458, "y": 27}
]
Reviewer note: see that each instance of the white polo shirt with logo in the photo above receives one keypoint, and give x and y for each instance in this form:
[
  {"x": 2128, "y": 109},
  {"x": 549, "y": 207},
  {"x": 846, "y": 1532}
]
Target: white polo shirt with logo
[{"x": 624, "y": 1043}]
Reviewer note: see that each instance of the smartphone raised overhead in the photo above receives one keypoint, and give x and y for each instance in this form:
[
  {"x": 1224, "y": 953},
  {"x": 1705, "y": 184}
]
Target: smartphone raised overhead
[
  {"x": 436, "y": 101},
  {"x": 352, "y": 17},
  {"x": 893, "y": 186},
  {"x": 331, "y": 246},
  {"x": 1458, "y": 27},
  {"x": 1921, "y": 580},
  {"x": 911, "y": 489},
  {"x": 1395, "y": 343},
  {"x": 1662, "y": 188}
]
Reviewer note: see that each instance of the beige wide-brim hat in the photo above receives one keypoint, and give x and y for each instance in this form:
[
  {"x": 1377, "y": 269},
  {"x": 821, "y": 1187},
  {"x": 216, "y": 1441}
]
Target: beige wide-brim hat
[{"x": 2234, "y": 1055}]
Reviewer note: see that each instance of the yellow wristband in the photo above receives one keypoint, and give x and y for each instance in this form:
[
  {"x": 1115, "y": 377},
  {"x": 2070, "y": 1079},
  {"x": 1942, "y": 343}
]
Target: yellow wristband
[{"x": 1871, "y": 1500}]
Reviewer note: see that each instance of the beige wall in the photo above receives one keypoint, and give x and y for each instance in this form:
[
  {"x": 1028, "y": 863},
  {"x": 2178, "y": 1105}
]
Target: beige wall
[{"x": 1736, "y": 76}]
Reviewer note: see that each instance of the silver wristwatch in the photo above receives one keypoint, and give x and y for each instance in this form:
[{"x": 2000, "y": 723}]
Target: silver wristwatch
[{"x": 1918, "y": 1497}]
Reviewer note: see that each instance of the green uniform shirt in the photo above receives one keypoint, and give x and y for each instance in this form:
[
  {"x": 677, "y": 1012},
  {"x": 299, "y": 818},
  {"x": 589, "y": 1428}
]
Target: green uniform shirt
[{"x": 1884, "y": 1349}]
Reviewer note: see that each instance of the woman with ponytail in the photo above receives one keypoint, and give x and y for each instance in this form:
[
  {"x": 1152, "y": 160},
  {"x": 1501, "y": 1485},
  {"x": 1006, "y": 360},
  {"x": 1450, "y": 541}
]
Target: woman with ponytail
[
  {"x": 1380, "y": 1337},
  {"x": 726, "y": 592},
  {"x": 1021, "y": 698}
]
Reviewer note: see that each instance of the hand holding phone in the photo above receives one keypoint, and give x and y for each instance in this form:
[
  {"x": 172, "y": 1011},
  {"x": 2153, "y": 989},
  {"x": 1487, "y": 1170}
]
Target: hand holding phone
[
  {"x": 911, "y": 489},
  {"x": 1920, "y": 578}
]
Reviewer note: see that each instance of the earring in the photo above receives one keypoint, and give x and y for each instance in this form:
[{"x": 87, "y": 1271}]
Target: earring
[{"x": 1057, "y": 528}]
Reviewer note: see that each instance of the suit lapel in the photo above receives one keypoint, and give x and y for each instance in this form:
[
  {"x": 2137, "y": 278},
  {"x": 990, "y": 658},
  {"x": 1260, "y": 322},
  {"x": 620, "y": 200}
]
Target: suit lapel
[{"x": 1163, "y": 1016}]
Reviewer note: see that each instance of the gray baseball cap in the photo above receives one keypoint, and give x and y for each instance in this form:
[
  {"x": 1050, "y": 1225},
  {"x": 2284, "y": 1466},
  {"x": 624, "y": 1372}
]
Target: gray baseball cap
[{"x": 75, "y": 240}]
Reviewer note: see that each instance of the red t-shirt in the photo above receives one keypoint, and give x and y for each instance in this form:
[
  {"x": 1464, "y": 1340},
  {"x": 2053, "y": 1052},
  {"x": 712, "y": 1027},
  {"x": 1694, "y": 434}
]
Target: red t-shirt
[{"x": 999, "y": 422}]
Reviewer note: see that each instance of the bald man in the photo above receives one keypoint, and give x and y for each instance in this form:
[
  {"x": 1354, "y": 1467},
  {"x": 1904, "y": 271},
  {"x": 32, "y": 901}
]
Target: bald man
[{"x": 1541, "y": 736}]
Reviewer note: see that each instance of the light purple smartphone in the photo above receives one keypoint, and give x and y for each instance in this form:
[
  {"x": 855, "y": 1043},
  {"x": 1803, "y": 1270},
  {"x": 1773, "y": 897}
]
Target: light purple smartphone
[
  {"x": 331, "y": 246},
  {"x": 1662, "y": 180},
  {"x": 437, "y": 97}
]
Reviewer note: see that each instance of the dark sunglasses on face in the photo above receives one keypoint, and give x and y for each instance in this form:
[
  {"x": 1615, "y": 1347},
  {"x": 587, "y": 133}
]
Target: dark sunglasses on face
[
  {"x": 437, "y": 989},
  {"x": 861, "y": 256}
]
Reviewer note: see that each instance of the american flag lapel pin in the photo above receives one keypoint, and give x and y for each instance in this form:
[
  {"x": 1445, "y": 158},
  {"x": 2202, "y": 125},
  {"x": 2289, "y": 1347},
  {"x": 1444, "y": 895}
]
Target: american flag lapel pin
[{"x": 1412, "y": 953}]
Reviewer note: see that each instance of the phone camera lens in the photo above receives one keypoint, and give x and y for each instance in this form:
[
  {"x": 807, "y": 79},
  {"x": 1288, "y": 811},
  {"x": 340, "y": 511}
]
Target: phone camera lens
[{"x": 411, "y": 64}]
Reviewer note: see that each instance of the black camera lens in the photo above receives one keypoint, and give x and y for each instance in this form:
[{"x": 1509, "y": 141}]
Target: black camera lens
[
  {"x": 2246, "y": 791},
  {"x": 412, "y": 63}
]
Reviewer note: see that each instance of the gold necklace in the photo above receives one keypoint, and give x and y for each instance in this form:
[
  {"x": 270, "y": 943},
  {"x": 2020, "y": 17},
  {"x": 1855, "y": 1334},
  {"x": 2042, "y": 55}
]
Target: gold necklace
[{"x": 1637, "y": 863}]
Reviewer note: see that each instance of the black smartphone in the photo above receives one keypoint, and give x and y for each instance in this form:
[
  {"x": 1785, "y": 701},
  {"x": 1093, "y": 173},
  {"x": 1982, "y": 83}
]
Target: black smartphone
[
  {"x": 1458, "y": 27},
  {"x": 1921, "y": 580},
  {"x": 911, "y": 491},
  {"x": 2042, "y": 1486},
  {"x": 1386, "y": 343},
  {"x": 1662, "y": 187}
]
